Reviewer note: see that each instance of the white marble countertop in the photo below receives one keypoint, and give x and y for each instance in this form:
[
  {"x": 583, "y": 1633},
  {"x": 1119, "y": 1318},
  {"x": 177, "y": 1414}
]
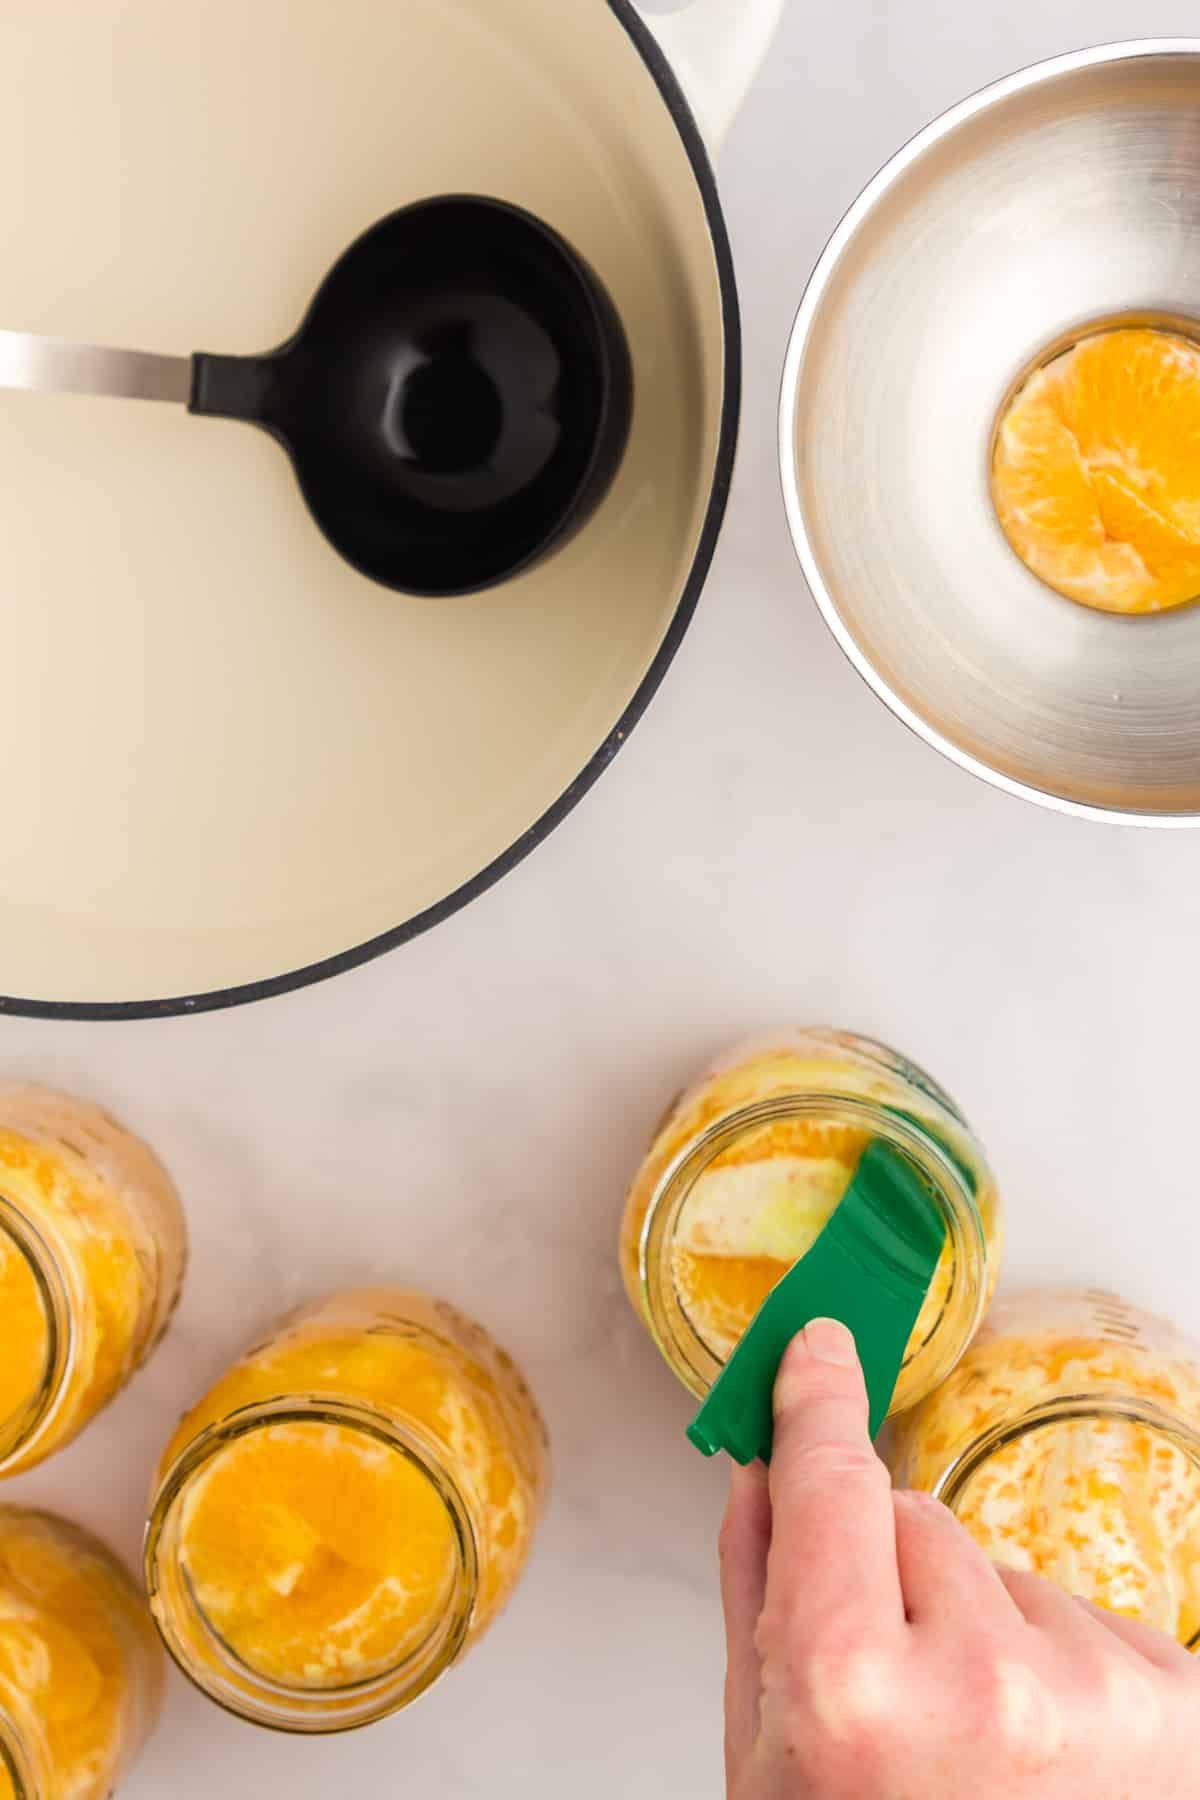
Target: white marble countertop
[{"x": 771, "y": 845}]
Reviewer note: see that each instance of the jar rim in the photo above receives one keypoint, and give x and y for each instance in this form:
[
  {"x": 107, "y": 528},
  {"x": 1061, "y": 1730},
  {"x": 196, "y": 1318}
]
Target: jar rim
[
  {"x": 1067, "y": 1409},
  {"x": 219, "y": 1673},
  {"x": 20, "y": 1431},
  {"x": 23, "y": 1756},
  {"x": 678, "y": 1339}
]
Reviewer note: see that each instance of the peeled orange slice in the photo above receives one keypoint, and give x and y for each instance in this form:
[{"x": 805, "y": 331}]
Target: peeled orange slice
[
  {"x": 753, "y": 1212},
  {"x": 315, "y": 1553},
  {"x": 1096, "y": 471}
]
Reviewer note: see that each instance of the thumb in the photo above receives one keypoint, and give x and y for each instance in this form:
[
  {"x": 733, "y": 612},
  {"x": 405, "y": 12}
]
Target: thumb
[{"x": 833, "y": 1546}]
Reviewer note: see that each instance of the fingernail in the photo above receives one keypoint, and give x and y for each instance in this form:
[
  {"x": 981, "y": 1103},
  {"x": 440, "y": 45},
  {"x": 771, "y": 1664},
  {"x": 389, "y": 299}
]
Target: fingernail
[
  {"x": 923, "y": 1502},
  {"x": 830, "y": 1342}
]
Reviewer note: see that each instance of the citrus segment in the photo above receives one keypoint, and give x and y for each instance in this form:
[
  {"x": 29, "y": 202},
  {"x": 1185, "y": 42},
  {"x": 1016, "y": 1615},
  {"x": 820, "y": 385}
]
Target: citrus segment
[
  {"x": 318, "y": 1554},
  {"x": 1096, "y": 471}
]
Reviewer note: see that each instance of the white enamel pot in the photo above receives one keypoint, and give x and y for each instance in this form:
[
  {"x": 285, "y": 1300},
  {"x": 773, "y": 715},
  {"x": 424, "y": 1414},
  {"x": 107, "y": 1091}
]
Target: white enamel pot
[{"x": 230, "y": 765}]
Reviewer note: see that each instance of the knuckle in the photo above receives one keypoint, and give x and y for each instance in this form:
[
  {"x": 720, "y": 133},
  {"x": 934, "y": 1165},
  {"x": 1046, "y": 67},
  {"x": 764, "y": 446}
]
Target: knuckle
[
  {"x": 828, "y": 1463},
  {"x": 800, "y": 1380},
  {"x": 851, "y": 1687},
  {"x": 1131, "y": 1691},
  {"x": 835, "y": 1708},
  {"x": 854, "y": 1762},
  {"x": 1008, "y": 1704}
]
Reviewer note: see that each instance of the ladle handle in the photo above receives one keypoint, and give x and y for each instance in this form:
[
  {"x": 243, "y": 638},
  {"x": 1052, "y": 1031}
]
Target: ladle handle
[
  {"x": 232, "y": 387},
  {"x": 227, "y": 387},
  {"x": 57, "y": 366}
]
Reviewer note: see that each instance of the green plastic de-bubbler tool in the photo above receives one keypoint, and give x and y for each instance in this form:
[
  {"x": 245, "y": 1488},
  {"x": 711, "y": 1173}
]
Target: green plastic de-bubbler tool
[{"x": 870, "y": 1267}]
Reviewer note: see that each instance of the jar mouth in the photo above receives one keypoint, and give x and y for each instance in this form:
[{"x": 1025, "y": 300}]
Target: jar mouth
[
  {"x": 22, "y": 1759},
  {"x": 1070, "y": 1409},
  {"x": 10, "y": 1770},
  {"x": 28, "y": 1413},
  {"x": 681, "y": 1341},
  {"x": 215, "y": 1666}
]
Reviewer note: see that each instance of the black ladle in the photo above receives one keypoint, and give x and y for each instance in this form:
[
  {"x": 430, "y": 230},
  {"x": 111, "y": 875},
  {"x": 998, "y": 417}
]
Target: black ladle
[{"x": 455, "y": 403}]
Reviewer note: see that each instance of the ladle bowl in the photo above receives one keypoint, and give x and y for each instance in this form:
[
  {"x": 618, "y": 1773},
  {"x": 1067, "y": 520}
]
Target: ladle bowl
[{"x": 455, "y": 403}]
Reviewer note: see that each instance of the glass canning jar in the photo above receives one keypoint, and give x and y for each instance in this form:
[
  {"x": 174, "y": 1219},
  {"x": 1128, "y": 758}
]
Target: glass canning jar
[
  {"x": 1067, "y": 1441},
  {"x": 345, "y": 1511},
  {"x": 92, "y": 1252},
  {"x": 81, "y": 1669},
  {"x": 749, "y": 1164}
]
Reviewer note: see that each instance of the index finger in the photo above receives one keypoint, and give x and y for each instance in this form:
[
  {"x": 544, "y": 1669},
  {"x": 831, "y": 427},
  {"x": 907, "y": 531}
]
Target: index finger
[{"x": 833, "y": 1544}]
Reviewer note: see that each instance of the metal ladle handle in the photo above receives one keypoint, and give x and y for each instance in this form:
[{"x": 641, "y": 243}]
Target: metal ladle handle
[{"x": 56, "y": 366}]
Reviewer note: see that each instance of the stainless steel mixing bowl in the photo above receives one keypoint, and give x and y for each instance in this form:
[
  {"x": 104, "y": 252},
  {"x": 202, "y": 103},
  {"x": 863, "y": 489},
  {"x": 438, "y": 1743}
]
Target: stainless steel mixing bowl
[{"x": 1061, "y": 197}]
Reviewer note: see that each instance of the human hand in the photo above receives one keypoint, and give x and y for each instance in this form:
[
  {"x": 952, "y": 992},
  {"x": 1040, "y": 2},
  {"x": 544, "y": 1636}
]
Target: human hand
[{"x": 876, "y": 1654}]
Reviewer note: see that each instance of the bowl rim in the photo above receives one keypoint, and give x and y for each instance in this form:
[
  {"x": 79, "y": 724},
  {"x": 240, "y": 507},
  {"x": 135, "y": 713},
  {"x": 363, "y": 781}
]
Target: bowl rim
[
  {"x": 982, "y": 100},
  {"x": 645, "y": 45}
]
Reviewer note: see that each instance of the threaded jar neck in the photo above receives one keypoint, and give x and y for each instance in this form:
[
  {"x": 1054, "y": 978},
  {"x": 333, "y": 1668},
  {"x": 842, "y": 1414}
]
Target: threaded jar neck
[
  {"x": 37, "y": 1275},
  {"x": 677, "y": 1335}
]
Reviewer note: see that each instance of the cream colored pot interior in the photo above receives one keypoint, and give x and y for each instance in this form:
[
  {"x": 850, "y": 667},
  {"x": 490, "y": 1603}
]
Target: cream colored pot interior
[{"x": 226, "y": 756}]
